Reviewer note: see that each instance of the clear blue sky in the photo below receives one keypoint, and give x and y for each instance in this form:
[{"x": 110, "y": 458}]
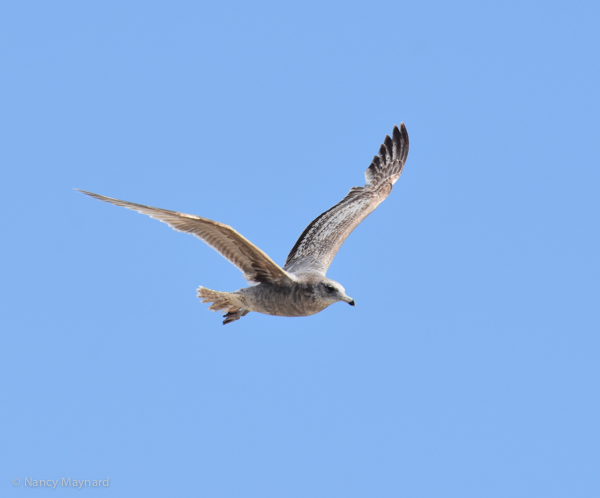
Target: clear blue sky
[{"x": 469, "y": 367}]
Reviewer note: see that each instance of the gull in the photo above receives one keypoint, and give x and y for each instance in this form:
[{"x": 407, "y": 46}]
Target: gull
[{"x": 300, "y": 287}]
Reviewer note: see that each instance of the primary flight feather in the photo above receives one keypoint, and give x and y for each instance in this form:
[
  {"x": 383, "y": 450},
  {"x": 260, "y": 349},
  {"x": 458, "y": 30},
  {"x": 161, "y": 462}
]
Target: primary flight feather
[{"x": 300, "y": 288}]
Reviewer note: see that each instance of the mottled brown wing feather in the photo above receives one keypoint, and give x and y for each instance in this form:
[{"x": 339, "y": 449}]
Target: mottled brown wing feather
[
  {"x": 315, "y": 249},
  {"x": 255, "y": 264}
]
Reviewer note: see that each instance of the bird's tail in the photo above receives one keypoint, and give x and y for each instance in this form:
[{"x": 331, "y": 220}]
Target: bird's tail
[{"x": 229, "y": 301}]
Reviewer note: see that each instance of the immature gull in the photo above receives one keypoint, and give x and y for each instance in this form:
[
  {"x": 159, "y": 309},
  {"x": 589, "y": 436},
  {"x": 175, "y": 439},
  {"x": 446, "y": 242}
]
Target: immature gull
[{"x": 300, "y": 288}]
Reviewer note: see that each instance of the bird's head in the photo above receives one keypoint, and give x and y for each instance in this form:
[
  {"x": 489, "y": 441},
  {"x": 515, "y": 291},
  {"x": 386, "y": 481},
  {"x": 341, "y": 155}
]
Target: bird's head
[{"x": 332, "y": 292}]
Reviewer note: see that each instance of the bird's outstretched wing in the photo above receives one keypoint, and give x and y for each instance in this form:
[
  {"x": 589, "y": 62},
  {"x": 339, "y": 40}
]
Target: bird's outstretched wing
[
  {"x": 255, "y": 264},
  {"x": 321, "y": 240}
]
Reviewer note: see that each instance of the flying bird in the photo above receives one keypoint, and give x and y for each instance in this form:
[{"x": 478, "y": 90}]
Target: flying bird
[{"x": 300, "y": 287}]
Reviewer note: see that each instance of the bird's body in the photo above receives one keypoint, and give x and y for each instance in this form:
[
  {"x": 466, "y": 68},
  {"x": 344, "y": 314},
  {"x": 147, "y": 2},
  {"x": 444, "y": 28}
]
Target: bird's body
[
  {"x": 303, "y": 297},
  {"x": 300, "y": 287}
]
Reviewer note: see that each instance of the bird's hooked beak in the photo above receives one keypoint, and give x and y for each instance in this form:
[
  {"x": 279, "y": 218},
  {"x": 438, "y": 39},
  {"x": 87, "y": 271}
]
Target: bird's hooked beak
[{"x": 350, "y": 301}]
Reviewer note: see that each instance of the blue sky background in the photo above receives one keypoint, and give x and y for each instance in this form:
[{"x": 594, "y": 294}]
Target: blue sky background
[{"x": 469, "y": 367}]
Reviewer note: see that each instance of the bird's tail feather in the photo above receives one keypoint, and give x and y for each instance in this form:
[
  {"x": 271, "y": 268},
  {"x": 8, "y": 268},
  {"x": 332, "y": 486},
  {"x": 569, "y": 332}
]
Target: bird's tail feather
[{"x": 229, "y": 301}]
